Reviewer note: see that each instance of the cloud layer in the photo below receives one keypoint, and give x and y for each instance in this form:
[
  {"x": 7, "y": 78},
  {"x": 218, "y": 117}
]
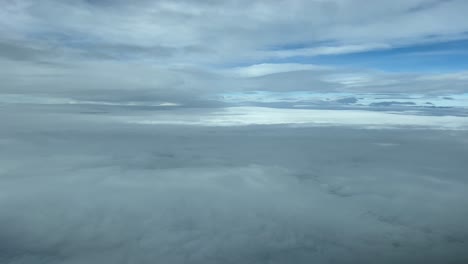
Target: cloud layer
[
  {"x": 71, "y": 193},
  {"x": 183, "y": 50}
]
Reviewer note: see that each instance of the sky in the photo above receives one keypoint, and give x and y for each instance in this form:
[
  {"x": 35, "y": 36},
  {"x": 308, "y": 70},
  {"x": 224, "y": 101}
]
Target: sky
[
  {"x": 233, "y": 131},
  {"x": 184, "y": 52}
]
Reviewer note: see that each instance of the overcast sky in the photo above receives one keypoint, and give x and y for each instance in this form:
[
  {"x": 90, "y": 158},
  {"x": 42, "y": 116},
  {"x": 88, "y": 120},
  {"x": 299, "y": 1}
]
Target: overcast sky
[
  {"x": 236, "y": 131},
  {"x": 185, "y": 51}
]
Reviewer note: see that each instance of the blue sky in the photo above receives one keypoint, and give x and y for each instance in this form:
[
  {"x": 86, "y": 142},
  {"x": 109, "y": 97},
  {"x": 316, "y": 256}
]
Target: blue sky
[{"x": 444, "y": 56}]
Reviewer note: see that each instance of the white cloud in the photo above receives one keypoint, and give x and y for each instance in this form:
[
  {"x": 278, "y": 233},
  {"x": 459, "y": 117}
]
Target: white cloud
[
  {"x": 245, "y": 116},
  {"x": 228, "y": 30},
  {"x": 326, "y": 50},
  {"x": 271, "y": 68}
]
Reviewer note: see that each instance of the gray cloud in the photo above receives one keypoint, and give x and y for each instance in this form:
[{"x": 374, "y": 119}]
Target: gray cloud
[
  {"x": 234, "y": 30},
  {"x": 71, "y": 193},
  {"x": 137, "y": 81},
  {"x": 173, "y": 50}
]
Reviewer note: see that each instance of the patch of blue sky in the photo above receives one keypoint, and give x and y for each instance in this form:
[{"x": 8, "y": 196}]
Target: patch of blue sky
[
  {"x": 363, "y": 99},
  {"x": 275, "y": 97},
  {"x": 446, "y": 56},
  {"x": 459, "y": 101}
]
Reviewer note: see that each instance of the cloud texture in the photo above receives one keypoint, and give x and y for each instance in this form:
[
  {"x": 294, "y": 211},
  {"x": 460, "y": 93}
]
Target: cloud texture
[
  {"x": 70, "y": 193},
  {"x": 289, "y": 131}
]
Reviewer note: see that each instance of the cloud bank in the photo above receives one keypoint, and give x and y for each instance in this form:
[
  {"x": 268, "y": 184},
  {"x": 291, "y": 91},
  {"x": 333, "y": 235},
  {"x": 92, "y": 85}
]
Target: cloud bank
[{"x": 71, "y": 193}]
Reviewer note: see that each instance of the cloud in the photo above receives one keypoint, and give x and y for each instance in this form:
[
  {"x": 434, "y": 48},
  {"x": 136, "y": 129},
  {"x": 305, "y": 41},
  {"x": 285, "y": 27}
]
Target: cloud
[
  {"x": 183, "y": 51},
  {"x": 327, "y": 50},
  {"x": 229, "y": 31},
  {"x": 347, "y": 100},
  {"x": 77, "y": 188},
  {"x": 132, "y": 132},
  {"x": 245, "y": 116},
  {"x": 392, "y": 103},
  {"x": 271, "y": 68}
]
